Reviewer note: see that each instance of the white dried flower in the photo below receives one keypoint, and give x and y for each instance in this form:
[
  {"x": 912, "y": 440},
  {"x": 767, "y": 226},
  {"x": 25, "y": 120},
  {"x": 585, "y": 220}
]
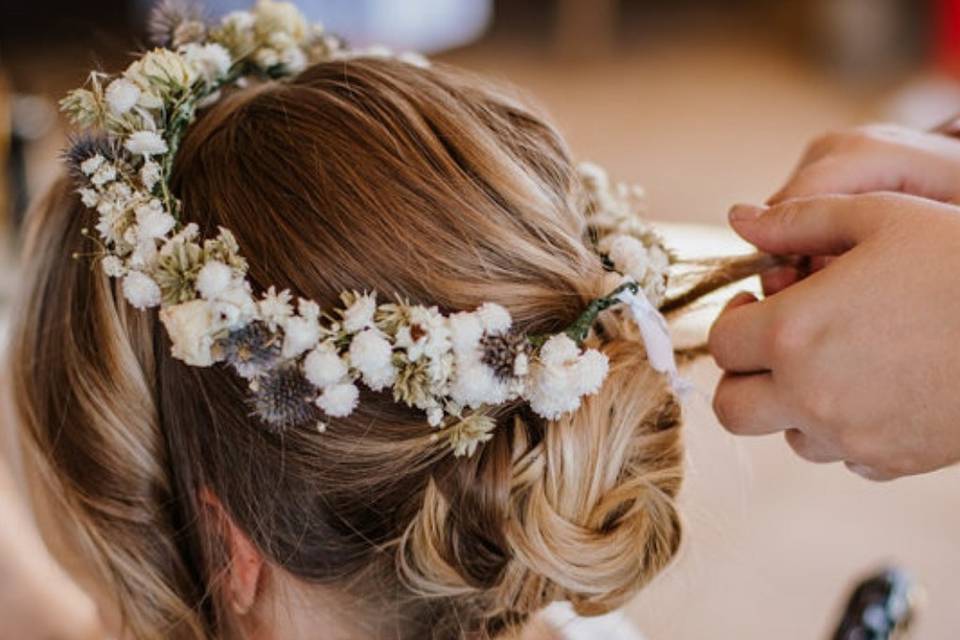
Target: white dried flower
[
  {"x": 141, "y": 290},
  {"x": 160, "y": 72},
  {"x": 91, "y": 164},
  {"x": 130, "y": 235},
  {"x": 521, "y": 365},
  {"x": 465, "y": 332},
  {"x": 106, "y": 173},
  {"x": 372, "y": 355},
  {"x": 113, "y": 266},
  {"x": 189, "y": 233},
  {"x": 122, "y": 95},
  {"x": 275, "y": 308},
  {"x": 150, "y": 174},
  {"x": 144, "y": 255},
  {"x": 240, "y": 20},
  {"x": 109, "y": 223},
  {"x": 117, "y": 198},
  {"x": 470, "y": 433},
  {"x": 279, "y": 17},
  {"x": 414, "y": 59},
  {"x": 591, "y": 371},
  {"x": 659, "y": 259},
  {"x": 551, "y": 396},
  {"x": 563, "y": 376},
  {"x": 323, "y": 367},
  {"x": 153, "y": 221},
  {"x": 494, "y": 318},
  {"x": 89, "y": 197},
  {"x": 293, "y": 59},
  {"x": 150, "y": 100},
  {"x": 475, "y": 384},
  {"x": 426, "y": 335},
  {"x": 560, "y": 350},
  {"x": 435, "y": 416},
  {"x": 214, "y": 278},
  {"x": 359, "y": 315},
  {"x": 594, "y": 175},
  {"x": 191, "y": 327},
  {"x": 299, "y": 335},
  {"x": 146, "y": 143},
  {"x": 339, "y": 400},
  {"x": 211, "y": 61},
  {"x": 82, "y": 108},
  {"x": 266, "y": 58},
  {"x": 628, "y": 255},
  {"x": 308, "y": 309}
]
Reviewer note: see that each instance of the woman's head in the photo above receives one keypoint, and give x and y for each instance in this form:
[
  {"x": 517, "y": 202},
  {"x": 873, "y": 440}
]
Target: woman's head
[{"x": 371, "y": 174}]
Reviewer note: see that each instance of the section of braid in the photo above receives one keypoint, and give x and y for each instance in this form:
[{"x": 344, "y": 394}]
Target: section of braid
[
  {"x": 587, "y": 515},
  {"x": 595, "y": 549}
]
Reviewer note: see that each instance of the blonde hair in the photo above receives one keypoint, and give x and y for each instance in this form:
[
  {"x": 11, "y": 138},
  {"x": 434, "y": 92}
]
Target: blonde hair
[{"x": 369, "y": 174}]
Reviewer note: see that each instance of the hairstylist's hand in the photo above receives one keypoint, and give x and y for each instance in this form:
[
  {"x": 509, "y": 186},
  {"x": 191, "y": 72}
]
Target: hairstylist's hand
[
  {"x": 38, "y": 601},
  {"x": 869, "y": 159},
  {"x": 860, "y": 362},
  {"x": 883, "y": 157}
]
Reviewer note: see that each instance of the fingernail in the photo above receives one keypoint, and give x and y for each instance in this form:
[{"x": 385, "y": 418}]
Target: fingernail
[
  {"x": 745, "y": 212},
  {"x": 865, "y": 472},
  {"x": 742, "y": 297}
]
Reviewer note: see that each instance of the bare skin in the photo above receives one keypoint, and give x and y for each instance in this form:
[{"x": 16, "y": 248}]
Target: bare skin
[{"x": 854, "y": 359}]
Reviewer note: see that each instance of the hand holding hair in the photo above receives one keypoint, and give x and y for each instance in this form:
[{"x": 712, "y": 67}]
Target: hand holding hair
[
  {"x": 868, "y": 159},
  {"x": 856, "y": 362}
]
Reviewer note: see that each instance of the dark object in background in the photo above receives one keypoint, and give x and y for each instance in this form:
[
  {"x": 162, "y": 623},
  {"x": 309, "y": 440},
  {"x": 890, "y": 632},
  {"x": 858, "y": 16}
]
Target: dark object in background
[{"x": 880, "y": 608}]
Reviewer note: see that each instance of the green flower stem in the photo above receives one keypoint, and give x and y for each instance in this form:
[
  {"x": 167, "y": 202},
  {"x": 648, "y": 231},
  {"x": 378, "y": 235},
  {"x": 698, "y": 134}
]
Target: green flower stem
[
  {"x": 580, "y": 329},
  {"x": 182, "y": 116}
]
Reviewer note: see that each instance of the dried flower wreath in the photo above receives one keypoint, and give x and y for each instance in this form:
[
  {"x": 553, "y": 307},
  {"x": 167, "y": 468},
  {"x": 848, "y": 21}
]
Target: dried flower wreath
[{"x": 303, "y": 365}]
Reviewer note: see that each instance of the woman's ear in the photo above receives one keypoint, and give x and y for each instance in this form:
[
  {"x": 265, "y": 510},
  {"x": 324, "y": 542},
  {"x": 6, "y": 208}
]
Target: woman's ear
[{"x": 245, "y": 563}]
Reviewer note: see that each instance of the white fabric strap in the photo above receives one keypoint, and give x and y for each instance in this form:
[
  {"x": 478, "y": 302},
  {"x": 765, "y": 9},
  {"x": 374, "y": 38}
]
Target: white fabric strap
[
  {"x": 656, "y": 338},
  {"x": 570, "y": 626}
]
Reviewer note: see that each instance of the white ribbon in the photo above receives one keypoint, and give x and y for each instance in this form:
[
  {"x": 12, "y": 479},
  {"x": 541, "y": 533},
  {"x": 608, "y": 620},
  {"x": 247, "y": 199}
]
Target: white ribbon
[
  {"x": 656, "y": 338},
  {"x": 610, "y": 626}
]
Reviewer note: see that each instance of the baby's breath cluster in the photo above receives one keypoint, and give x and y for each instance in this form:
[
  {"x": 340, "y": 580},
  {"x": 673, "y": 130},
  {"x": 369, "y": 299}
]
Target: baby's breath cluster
[
  {"x": 618, "y": 230},
  {"x": 454, "y": 367},
  {"x": 305, "y": 365}
]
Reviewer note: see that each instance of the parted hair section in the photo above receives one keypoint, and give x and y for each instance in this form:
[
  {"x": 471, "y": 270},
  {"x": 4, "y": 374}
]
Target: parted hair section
[{"x": 423, "y": 184}]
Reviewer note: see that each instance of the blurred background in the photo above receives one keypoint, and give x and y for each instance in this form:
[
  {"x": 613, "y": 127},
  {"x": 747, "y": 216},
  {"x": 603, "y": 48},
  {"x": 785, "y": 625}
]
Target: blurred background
[{"x": 705, "y": 103}]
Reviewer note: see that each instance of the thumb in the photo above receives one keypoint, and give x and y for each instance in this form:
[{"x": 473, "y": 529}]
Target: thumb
[{"x": 828, "y": 225}]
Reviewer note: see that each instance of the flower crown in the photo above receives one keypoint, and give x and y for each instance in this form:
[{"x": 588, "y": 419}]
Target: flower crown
[{"x": 304, "y": 364}]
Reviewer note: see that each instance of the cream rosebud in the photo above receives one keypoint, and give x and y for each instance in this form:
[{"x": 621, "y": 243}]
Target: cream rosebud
[{"x": 190, "y": 326}]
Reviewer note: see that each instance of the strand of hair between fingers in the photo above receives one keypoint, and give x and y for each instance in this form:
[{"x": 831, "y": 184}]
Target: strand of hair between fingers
[{"x": 723, "y": 273}]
